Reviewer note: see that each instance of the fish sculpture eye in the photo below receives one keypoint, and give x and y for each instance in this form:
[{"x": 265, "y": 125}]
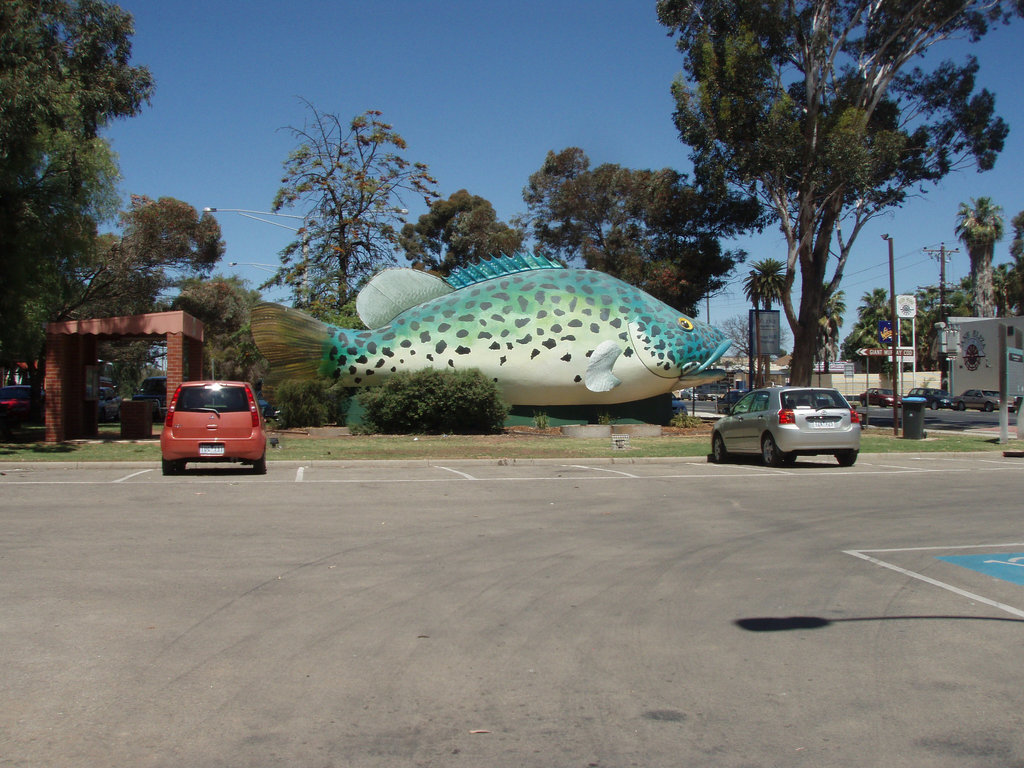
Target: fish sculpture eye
[{"x": 686, "y": 323}]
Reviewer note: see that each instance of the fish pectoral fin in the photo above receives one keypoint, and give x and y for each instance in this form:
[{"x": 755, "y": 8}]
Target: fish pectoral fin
[{"x": 599, "y": 376}]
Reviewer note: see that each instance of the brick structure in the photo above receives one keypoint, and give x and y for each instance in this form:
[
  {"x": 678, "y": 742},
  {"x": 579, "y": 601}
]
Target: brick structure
[{"x": 71, "y": 348}]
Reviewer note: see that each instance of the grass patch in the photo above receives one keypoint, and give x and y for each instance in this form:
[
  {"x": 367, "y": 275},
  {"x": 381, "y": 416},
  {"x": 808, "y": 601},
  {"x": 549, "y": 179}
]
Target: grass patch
[{"x": 28, "y": 445}]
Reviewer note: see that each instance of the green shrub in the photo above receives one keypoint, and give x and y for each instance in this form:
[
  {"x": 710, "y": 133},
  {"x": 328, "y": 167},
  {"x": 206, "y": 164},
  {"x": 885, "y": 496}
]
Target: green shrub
[
  {"x": 310, "y": 403},
  {"x": 540, "y": 419},
  {"x": 684, "y": 420},
  {"x": 434, "y": 402}
]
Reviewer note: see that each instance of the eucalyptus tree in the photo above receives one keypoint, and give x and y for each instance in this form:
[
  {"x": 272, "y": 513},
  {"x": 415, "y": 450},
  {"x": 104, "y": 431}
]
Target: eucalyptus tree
[
  {"x": 65, "y": 74},
  {"x": 349, "y": 180},
  {"x": 823, "y": 110},
  {"x": 979, "y": 225},
  {"x": 458, "y": 231},
  {"x": 651, "y": 228}
]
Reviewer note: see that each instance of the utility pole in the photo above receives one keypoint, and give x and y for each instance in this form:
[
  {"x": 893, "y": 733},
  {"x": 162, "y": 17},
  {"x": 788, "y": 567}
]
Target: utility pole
[{"x": 943, "y": 314}]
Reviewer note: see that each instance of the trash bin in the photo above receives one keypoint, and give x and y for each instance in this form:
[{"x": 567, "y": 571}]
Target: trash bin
[{"x": 913, "y": 418}]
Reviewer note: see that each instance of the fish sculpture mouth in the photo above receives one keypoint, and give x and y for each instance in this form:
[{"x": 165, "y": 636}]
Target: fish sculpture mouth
[{"x": 720, "y": 350}]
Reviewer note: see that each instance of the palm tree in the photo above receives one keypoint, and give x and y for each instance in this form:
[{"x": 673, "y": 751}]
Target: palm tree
[
  {"x": 763, "y": 286},
  {"x": 979, "y": 226},
  {"x": 829, "y": 325}
]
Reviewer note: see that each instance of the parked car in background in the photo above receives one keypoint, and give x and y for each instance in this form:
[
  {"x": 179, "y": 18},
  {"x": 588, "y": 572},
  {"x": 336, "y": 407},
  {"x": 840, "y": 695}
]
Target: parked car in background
[
  {"x": 781, "y": 423},
  {"x": 16, "y": 400},
  {"x": 934, "y": 398},
  {"x": 109, "y": 405},
  {"x": 213, "y": 421},
  {"x": 878, "y": 396},
  {"x": 154, "y": 389},
  {"x": 982, "y": 399},
  {"x": 679, "y": 407},
  {"x": 727, "y": 400}
]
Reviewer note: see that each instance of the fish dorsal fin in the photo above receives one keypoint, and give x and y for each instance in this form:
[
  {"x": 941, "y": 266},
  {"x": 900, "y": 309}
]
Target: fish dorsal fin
[
  {"x": 391, "y": 292},
  {"x": 498, "y": 266}
]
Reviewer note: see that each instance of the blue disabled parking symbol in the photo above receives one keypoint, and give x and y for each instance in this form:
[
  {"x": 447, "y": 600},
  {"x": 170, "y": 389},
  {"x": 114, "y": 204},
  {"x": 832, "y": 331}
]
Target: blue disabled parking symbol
[{"x": 1008, "y": 567}]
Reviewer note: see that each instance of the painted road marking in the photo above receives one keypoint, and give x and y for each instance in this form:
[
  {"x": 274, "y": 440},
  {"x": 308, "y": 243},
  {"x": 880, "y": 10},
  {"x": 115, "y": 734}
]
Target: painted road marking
[
  {"x": 862, "y": 554},
  {"x": 455, "y": 471},
  {"x": 133, "y": 474},
  {"x": 1008, "y": 567}
]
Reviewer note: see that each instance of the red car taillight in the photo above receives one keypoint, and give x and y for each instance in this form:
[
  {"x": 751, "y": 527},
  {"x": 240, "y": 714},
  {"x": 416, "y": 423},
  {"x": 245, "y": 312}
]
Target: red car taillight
[
  {"x": 854, "y": 416},
  {"x": 170, "y": 408},
  {"x": 254, "y": 410},
  {"x": 786, "y": 416}
]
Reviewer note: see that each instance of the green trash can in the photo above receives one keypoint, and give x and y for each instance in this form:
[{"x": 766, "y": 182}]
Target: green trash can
[{"x": 913, "y": 418}]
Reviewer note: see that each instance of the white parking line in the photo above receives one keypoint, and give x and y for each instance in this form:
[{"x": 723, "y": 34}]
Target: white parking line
[
  {"x": 455, "y": 471},
  {"x": 299, "y": 473},
  {"x": 133, "y": 474},
  {"x": 862, "y": 554},
  {"x": 601, "y": 469}
]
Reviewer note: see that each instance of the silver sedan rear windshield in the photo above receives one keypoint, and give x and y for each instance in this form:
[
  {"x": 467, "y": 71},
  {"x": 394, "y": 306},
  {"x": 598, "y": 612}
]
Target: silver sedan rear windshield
[{"x": 813, "y": 398}]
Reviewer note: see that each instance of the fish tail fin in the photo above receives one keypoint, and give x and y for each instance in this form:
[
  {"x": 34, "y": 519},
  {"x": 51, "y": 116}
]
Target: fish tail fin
[{"x": 291, "y": 340}]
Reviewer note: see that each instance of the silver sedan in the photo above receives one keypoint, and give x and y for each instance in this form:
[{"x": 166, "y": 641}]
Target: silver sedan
[{"x": 781, "y": 423}]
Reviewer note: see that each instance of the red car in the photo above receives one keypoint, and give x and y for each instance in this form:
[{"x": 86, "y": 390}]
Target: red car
[
  {"x": 877, "y": 396},
  {"x": 213, "y": 421},
  {"x": 15, "y": 399}
]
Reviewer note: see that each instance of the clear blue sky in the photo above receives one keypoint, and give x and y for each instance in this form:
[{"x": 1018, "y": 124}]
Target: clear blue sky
[{"x": 481, "y": 92}]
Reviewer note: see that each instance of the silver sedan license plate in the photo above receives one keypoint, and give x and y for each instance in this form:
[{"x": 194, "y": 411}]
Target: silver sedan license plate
[
  {"x": 823, "y": 423},
  {"x": 211, "y": 449}
]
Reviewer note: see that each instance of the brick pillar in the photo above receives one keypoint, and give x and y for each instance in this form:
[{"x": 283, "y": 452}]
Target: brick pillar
[
  {"x": 175, "y": 363},
  {"x": 194, "y": 367},
  {"x": 56, "y": 362}
]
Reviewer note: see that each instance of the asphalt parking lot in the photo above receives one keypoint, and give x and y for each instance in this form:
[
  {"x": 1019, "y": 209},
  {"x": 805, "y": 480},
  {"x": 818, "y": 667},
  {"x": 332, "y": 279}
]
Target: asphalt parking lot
[{"x": 658, "y": 613}]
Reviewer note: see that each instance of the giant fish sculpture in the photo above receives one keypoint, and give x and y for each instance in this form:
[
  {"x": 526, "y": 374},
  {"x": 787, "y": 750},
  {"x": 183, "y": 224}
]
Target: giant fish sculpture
[{"x": 547, "y": 335}]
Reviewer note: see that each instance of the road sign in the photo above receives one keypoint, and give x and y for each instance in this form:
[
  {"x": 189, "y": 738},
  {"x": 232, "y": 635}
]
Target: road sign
[
  {"x": 879, "y": 352},
  {"x": 906, "y": 306}
]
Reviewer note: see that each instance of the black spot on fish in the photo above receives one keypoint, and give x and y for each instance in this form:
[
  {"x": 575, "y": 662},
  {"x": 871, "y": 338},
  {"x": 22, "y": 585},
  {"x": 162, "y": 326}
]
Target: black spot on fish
[
  {"x": 485, "y": 305},
  {"x": 386, "y": 351},
  {"x": 542, "y": 314},
  {"x": 568, "y": 338},
  {"x": 362, "y": 360},
  {"x": 380, "y": 363},
  {"x": 444, "y": 327},
  {"x": 430, "y": 357},
  {"x": 574, "y": 323},
  {"x": 539, "y": 297},
  {"x": 495, "y": 346},
  {"x": 628, "y": 352},
  {"x": 333, "y": 354},
  {"x": 502, "y": 360},
  {"x": 523, "y": 303},
  {"x": 498, "y": 318},
  {"x": 394, "y": 369},
  {"x": 567, "y": 358},
  {"x": 578, "y": 379},
  {"x": 595, "y": 328},
  {"x": 449, "y": 313},
  {"x": 502, "y": 296},
  {"x": 352, "y": 370},
  {"x": 616, "y": 323},
  {"x": 342, "y": 360},
  {"x": 389, "y": 336},
  {"x": 352, "y": 350},
  {"x": 462, "y": 350},
  {"x": 405, "y": 343},
  {"x": 425, "y": 337},
  {"x": 550, "y": 343},
  {"x": 526, "y": 339},
  {"x": 441, "y": 346},
  {"x": 467, "y": 318},
  {"x": 556, "y": 328},
  {"x": 451, "y": 363},
  {"x": 605, "y": 314},
  {"x": 357, "y": 380},
  {"x": 485, "y": 335},
  {"x": 522, "y": 321},
  {"x": 573, "y": 303},
  {"x": 534, "y": 353},
  {"x": 462, "y": 334},
  {"x": 414, "y": 325}
]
